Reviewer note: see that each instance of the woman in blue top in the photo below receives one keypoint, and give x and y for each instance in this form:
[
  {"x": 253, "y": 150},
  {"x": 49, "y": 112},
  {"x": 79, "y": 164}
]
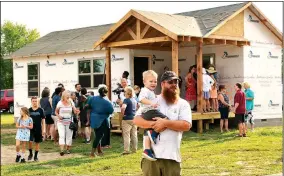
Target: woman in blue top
[{"x": 101, "y": 109}]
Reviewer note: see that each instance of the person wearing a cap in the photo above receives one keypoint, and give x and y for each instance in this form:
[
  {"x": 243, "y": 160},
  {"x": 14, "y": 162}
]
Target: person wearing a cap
[
  {"x": 101, "y": 109},
  {"x": 167, "y": 147},
  {"x": 207, "y": 86}
]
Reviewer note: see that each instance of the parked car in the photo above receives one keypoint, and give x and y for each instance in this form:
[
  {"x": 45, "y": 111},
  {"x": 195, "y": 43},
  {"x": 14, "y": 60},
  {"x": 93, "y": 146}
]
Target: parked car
[{"x": 7, "y": 100}]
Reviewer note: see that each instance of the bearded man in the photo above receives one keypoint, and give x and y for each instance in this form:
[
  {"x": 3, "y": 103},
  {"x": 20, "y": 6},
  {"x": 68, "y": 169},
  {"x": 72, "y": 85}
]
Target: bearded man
[{"x": 179, "y": 118}]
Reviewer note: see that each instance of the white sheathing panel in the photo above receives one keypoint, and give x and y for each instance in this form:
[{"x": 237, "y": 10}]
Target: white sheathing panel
[
  {"x": 257, "y": 32},
  {"x": 263, "y": 72},
  {"x": 67, "y": 74}
]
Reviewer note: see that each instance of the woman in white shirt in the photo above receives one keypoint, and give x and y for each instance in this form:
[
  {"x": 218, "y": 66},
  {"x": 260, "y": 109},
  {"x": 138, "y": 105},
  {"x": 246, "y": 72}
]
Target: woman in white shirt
[{"x": 63, "y": 111}]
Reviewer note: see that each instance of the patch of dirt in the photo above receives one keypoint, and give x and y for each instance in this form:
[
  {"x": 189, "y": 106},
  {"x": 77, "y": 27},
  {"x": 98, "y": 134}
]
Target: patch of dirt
[
  {"x": 7, "y": 131},
  {"x": 8, "y": 156}
]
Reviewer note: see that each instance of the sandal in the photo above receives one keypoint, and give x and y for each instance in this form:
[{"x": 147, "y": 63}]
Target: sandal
[{"x": 238, "y": 135}]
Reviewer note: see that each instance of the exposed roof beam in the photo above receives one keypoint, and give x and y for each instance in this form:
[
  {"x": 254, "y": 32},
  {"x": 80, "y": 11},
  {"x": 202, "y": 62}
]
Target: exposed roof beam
[
  {"x": 145, "y": 30},
  {"x": 137, "y": 42},
  {"x": 129, "y": 30}
]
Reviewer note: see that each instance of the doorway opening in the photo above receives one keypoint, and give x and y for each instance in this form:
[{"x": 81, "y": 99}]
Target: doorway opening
[{"x": 141, "y": 64}]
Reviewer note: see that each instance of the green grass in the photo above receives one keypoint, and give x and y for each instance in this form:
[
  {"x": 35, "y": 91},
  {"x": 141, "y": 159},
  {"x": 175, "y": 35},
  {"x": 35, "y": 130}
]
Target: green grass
[
  {"x": 7, "y": 120},
  {"x": 210, "y": 153}
]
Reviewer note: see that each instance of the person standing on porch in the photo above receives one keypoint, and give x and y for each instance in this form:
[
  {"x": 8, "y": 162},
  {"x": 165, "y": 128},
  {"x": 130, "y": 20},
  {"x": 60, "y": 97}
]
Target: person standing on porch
[
  {"x": 224, "y": 108},
  {"x": 249, "y": 106},
  {"x": 240, "y": 109},
  {"x": 179, "y": 117},
  {"x": 190, "y": 87},
  {"x": 207, "y": 86}
]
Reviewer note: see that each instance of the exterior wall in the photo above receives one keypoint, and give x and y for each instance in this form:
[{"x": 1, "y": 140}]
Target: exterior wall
[
  {"x": 262, "y": 67},
  {"x": 67, "y": 74}
]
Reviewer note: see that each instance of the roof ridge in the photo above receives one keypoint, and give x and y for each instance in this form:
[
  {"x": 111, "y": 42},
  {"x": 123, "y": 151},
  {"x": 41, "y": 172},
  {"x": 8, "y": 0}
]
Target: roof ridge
[{"x": 180, "y": 13}]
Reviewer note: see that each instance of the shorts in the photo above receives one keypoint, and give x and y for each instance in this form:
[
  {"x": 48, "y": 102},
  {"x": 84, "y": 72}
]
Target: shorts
[
  {"x": 249, "y": 117},
  {"x": 240, "y": 118},
  {"x": 48, "y": 119},
  {"x": 149, "y": 114},
  {"x": 206, "y": 95},
  {"x": 55, "y": 120},
  {"x": 35, "y": 136},
  {"x": 224, "y": 112}
]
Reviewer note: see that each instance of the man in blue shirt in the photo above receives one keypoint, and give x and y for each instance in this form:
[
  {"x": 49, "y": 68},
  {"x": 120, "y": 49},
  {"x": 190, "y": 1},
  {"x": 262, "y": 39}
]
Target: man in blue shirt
[{"x": 249, "y": 105}]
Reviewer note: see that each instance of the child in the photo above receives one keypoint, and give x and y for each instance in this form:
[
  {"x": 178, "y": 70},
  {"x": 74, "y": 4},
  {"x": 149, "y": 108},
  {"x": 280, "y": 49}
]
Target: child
[
  {"x": 147, "y": 98},
  {"x": 214, "y": 95},
  {"x": 24, "y": 124}
]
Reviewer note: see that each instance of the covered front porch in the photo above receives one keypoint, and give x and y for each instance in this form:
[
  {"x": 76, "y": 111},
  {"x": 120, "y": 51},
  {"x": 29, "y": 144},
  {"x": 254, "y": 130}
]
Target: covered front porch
[{"x": 141, "y": 30}]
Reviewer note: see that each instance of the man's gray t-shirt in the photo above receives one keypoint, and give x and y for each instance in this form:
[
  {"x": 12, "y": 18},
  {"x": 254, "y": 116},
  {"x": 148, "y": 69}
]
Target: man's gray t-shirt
[{"x": 168, "y": 143}]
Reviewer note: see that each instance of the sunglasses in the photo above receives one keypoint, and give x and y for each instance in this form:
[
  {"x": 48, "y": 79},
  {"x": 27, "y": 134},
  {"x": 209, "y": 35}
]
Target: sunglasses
[{"x": 174, "y": 81}]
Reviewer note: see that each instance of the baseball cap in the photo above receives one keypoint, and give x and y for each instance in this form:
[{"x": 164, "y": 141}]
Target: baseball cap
[{"x": 168, "y": 76}]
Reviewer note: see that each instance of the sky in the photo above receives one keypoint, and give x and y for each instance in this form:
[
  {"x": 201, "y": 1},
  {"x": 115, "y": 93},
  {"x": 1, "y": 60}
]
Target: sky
[{"x": 47, "y": 17}]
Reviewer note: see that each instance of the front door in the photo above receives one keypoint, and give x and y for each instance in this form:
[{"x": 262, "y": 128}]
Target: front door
[{"x": 140, "y": 65}]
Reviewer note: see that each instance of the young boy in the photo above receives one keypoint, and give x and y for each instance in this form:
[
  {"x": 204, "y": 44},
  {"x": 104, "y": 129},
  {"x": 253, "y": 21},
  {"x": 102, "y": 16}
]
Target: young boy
[
  {"x": 38, "y": 131},
  {"x": 148, "y": 101}
]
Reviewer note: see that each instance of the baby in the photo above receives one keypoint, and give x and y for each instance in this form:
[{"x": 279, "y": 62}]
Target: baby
[{"x": 148, "y": 101}]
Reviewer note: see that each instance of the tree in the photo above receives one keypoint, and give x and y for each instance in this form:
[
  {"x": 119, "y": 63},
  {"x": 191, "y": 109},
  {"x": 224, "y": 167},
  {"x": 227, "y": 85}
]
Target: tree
[{"x": 13, "y": 37}]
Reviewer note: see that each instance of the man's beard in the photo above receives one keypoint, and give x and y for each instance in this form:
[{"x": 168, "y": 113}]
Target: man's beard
[{"x": 170, "y": 95}]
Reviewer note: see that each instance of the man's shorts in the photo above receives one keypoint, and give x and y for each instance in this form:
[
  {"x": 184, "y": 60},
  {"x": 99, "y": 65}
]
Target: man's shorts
[
  {"x": 206, "y": 95},
  {"x": 55, "y": 120},
  {"x": 240, "y": 118},
  {"x": 249, "y": 117},
  {"x": 35, "y": 136}
]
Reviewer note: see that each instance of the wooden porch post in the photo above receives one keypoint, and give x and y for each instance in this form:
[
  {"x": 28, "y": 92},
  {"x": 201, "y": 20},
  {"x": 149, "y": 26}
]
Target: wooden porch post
[
  {"x": 175, "y": 56},
  {"x": 199, "y": 75},
  {"x": 108, "y": 72}
]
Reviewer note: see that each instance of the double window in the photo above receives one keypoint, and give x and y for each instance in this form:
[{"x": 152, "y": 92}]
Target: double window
[
  {"x": 91, "y": 72},
  {"x": 33, "y": 79}
]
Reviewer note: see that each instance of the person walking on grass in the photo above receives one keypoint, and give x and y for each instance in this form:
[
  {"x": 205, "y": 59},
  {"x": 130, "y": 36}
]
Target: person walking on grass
[
  {"x": 46, "y": 105},
  {"x": 55, "y": 99},
  {"x": 240, "y": 109},
  {"x": 129, "y": 130},
  {"x": 101, "y": 109},
  {"x": 224, "y": 107},
  {"x": 249, "y": 106},
  {"x": 167, "y": 147},
  {"x": 84, "y": 117},
  {"x": 38, "y": 131},
  {"x": 64, "y": 112},
  {"x": 24, "y": 125}
]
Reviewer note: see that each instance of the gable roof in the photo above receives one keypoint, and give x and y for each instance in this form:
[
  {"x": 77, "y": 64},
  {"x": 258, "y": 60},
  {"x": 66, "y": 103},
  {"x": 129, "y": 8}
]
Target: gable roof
[
  {"x": 208, "y": 19},
  {"x": 73, "y": 40},
  {"x": 199, "y": 23}
]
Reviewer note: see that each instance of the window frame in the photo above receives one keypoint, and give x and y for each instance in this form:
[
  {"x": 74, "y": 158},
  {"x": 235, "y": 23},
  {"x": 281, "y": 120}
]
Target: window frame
[
  {"x": 38, "y": 77},
  {"x": 92, "y": 73},
  {"x": 208, "y": 54}
]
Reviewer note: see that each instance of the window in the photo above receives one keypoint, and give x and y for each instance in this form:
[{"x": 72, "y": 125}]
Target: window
[
  {"x": 2, "y": 94},
  {"x": 208, "y": 59},
  {"x": 91, "y": 72},
  {"x": 33, "y": 80},
  {"x": 10, "y": 93}
]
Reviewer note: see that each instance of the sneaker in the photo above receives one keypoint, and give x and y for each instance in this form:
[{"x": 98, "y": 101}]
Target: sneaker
[
  {"x": 125, "y": 153},
  {"x": 23, "y": 160},
  {"x": 68, "y": 151},
  {"x": 148, "y": 154},
  {"x": 18, "y": 158},
  {"x": 61, "y": 153},
  {"x": 30, "y": 157},
  {"x": 35, "y": 159},
  {"x": 88, "y": 142},
  {"x": 152, "y": 135},
  {"x": 244, "y": 135}
]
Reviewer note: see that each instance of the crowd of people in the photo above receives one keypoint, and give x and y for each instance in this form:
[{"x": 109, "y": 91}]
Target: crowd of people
[{"x": 66, "y": 115}]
